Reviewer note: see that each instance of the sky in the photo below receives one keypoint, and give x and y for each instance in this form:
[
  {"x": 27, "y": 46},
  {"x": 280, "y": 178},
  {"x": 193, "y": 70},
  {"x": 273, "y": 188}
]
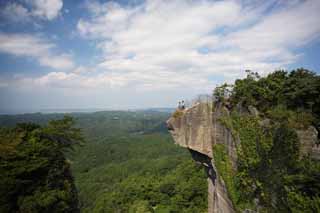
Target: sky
[{"x": 58, "y": 54}]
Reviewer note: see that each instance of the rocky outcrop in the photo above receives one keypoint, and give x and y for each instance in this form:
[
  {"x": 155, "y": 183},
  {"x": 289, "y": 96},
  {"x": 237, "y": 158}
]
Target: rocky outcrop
[
  {"x": 192, "y": 128},
  {"x": 308, "y": 142},
  {"x": 197, "y": 128}
]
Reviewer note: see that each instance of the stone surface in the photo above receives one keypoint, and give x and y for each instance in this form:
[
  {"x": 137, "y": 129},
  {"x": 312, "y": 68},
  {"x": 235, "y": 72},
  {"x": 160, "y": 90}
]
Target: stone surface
[
  {"x": 308, "y": 142},
  {"x": 193, "y": 129},
  {"x": 198, "y": 129},
  {"x": 222, "y": 135},
  {"x": 253, "y": 111}
]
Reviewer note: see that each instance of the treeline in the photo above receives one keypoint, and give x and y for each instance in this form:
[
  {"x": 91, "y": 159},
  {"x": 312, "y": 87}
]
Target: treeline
[
  {"x": 97, "y": 126},
  {"x": 34, "y": 172},
  {"x": 294, "y": 95},
  {"x": 272, "y": 174}
]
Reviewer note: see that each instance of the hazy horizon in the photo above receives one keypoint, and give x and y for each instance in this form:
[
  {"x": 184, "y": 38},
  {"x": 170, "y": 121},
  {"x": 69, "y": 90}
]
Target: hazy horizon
[{"x": 77, "y": 110}]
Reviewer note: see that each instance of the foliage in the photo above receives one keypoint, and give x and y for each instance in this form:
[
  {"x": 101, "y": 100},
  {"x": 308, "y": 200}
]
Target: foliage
[
  {"x": 255, "y": 144},
  {"x": 222, "y": 92},
  {"x": 246, "y": 90},
  {"x": 125, "y": 151},
  {"x": 298, "y": 90},
  {"x": 142, "y": 168},
  {"x": 269, "y": 165},
  {"x": 99, "y": 125},
  {"x": 177, "y": 114},
  {"x": 223, "y": 165},
  {"x": 134, "y": 170},
  {"x": 180, "y": 190},
  {"x": 35, "y": 175},
  {"x": 295, "y": 119},
  {"x": 303, "y": 187},
  {"x": 269, "y": 168},
  {"x": 140, "y": 206}
]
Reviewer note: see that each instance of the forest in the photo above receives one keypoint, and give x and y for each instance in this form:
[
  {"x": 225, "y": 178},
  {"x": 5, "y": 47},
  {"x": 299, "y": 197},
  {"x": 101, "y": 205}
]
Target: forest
[
  {"x": 35, "y": 174},
  {"x": 122, "y": 162}
]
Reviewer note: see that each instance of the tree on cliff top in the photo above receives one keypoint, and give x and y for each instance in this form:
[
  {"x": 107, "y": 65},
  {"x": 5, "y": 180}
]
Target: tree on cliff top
[{"x": 298, "y": 90}]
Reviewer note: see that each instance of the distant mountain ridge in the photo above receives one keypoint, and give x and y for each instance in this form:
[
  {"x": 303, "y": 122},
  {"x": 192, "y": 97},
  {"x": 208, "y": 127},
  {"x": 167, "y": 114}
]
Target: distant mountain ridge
[{"x": 78, "y": 110}]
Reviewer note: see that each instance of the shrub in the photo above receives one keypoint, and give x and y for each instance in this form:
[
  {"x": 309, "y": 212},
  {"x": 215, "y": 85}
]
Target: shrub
[{"x": 177, "y": 114}]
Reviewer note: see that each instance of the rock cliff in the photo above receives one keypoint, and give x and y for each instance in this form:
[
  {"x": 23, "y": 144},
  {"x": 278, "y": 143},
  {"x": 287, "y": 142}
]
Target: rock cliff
[{"x": 199, "y": 129}]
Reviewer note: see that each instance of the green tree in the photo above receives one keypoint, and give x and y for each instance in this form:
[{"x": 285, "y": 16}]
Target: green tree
[
  {"x": 222, "y": 92},
  {"x": 35, "y": 174}
]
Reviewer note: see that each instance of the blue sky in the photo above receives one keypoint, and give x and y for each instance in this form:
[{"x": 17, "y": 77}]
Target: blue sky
[{"x": 139, "y": 54}]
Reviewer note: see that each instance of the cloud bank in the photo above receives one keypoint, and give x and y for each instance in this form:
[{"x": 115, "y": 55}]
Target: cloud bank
[
  {"x": 28, "y": 10},
  {"x": 41, "y": 50},
  {"x": 199, "y": 40},
  {"x": 169, "y": 47}
]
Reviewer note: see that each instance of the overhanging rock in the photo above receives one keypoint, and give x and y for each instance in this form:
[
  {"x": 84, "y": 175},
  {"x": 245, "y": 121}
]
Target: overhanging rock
[{"x": 198, "y": 129}]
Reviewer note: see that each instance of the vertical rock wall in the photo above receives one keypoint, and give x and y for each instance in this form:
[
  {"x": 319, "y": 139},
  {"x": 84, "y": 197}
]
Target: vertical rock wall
[
  {"x": 222, "y": 135},
  {"x": 198, "y": 129}
]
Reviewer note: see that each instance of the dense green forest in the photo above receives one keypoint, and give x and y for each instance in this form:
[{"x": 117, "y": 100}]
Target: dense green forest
[
  {"x": 128, "y": 163},
  {"x": 270, "y": 168},
  {"x": 35, "y": 174}
]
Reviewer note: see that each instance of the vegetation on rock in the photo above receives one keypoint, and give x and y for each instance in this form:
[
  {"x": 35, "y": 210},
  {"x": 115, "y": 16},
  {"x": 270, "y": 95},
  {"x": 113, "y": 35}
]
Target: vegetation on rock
[
  {"x": 269, "y": 166},
  {"x": 177, "y": 114}
]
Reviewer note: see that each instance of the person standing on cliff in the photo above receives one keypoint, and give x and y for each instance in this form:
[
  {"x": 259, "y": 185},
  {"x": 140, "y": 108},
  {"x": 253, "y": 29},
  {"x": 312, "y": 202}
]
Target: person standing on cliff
[{"x": 183, "y": 105}]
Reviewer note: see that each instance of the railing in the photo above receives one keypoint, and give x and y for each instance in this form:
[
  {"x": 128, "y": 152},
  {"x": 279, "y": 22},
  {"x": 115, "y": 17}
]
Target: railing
[{"x": 203, "y": 99}]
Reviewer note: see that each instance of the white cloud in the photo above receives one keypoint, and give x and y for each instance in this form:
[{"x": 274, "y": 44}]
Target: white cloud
[
  {"x": 107, "y": 80},
  {"x": 199, "y": 40},
  {"x": 31, "y": 9},
  {"x": 46, "y": 9},
  {"x": 15, "y": 12},
  {"x": 294, "y": 27},
  {"x": 35, "y": 47}
]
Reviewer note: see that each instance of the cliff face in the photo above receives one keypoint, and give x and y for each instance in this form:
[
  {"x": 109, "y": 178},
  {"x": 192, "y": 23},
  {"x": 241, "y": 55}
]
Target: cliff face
[
  {"x": 193, "y": 129},
  {"x": 198, "y": 129}
]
